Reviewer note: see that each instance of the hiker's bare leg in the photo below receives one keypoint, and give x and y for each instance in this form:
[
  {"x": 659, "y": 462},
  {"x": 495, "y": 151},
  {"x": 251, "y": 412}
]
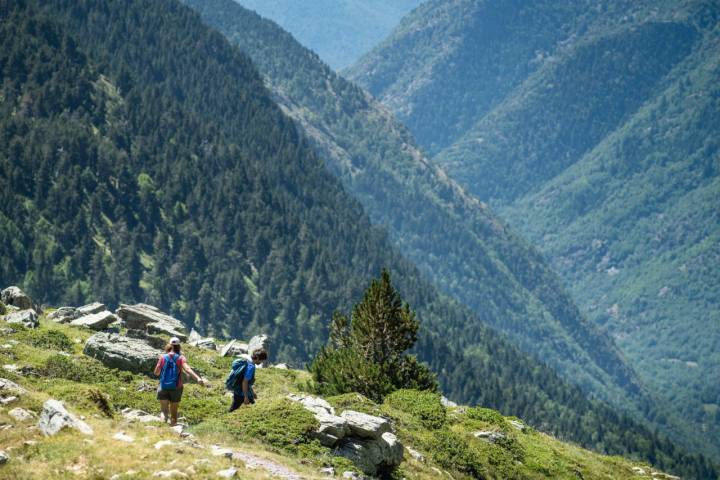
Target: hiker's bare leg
[
  {"x": 164, "y": 410},
  {"x": 173, "y": 413}
]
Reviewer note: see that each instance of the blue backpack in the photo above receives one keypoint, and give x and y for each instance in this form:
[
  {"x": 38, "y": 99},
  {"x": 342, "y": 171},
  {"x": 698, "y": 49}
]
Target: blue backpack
[
  {"x": 238, "y": 372},
  {"x": 169, "y": 375}
]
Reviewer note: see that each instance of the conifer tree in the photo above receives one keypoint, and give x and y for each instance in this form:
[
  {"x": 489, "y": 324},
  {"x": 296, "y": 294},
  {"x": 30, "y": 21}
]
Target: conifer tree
[{"x": 366, "y": 352}]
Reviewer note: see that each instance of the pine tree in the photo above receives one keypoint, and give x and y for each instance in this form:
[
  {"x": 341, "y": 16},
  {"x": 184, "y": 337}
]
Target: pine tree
[{"x": 365, "y": 352}]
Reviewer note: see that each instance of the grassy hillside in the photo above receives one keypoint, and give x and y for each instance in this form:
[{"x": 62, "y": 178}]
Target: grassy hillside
[
  {"x": 454, "y": 239},
  {"x": 272, "y": 431}
]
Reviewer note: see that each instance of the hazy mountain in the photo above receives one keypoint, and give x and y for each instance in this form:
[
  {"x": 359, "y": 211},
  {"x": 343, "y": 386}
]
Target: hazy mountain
[
  {"x": 599, "y": 145},
  {"x": 340, "y": 31},
  {"x": 454, "y": 239}
]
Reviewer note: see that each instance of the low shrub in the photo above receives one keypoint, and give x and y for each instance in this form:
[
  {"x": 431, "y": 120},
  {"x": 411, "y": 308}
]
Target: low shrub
[
  {"x": 487, "y": 415},
  {"x": 47, "y": 338},
  {"x": 354, "y": 401},
  {"x": 452, "y": 451},
  {"x": 423, "y": 405},
  {"x": 281, "y": 423}
]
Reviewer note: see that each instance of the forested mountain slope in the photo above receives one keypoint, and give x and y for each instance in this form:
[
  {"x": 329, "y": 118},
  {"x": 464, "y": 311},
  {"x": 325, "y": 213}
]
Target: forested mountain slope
[
  {"x": 602, "y": 151},
  {"x": 151, "y": 164},
  {"x": 453, "y": 238},
  {"x": 340, "y": 31}
]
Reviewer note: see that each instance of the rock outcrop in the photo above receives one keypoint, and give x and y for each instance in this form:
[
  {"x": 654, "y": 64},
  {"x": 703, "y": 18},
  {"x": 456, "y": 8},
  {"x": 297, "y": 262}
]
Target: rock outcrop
[
  {"x": 64, "y": 315},
  {"x": 234, "y": 348},
  {"x": 95, "y": 307},
  {"x": 95, "y": 321},
  {"x": 373, "y": 456},
  {"x": 10, "y": 387},
  {"x": 121, "y": 352},
  {"x": 364, "y": 439},
  {"x": 16, "y": 297},
  {"x": 27, "y": 318},
  {"x": 55, "y": 417},
  {"x": 146, "y": 317},
  {"x": 197, "y": 340}
]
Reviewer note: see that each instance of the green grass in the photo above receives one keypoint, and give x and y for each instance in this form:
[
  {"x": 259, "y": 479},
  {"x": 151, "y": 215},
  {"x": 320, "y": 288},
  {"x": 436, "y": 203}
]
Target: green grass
[{"x": 274, "y": 427}]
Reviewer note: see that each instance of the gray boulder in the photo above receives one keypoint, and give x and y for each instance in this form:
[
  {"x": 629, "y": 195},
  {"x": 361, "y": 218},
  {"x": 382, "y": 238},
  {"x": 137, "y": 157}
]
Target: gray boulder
[
  {"x": 234, "y": 348},
  {"x": 259, "y": 342},
  {"x": 21, "y": 415},
  {"x": 139, "y": 416},
  {"x": 4, "y": 457},
  {"x": 55, "y": 417},
  {"x": 124, "y": 353},
  {"x": 96, "y": 321},
  {"x": 28, "y": 318},
  {"x": 146, "y": 317},
  {"x": 152, "y": 340},
  {"x": 64, "y": 315},
  {"x": 373, "y": 456},
  {"x": 332, "y": 428},
  {"x": 196, "y": 340},
  {"x": 16, "y": 297},
  {"x": 8, "y": 386},
  {"x": 490, "y": 436},
  {"x": 365, "y": 426},
  {"x": 95, "y": 307}
]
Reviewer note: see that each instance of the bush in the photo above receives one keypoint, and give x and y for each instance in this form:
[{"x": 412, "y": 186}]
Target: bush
[
  {"x": 487, "y": 415},
  {"x": 354, "y": 401},
  {"x": 281, "y": 423},
  {"x": 48, "y": 339},
  {"x": 84, "y": 370},
  {"x": 423, "y": 405},
  {"x": 3, "y": 310},
  {"x": 451, "y": 450}
]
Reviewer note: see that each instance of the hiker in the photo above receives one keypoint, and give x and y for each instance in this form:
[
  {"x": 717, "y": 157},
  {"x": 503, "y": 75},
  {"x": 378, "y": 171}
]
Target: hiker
[
  {"x": 169, "y": 368},
  {"x": 242, "y": 377}
]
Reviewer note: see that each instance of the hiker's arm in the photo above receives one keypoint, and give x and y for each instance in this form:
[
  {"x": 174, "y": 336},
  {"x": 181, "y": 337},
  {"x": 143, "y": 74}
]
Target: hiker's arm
[
  {"x": 190, "y": 372},
  {"x": 157, "y": 367}
]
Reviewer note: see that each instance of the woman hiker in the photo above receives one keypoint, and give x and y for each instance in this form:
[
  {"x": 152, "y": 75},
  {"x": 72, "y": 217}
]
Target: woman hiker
[{"x": 169, "y": 368}]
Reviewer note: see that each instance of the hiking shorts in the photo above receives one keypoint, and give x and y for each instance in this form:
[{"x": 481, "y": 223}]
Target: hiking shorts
[{"x": 173, "y": 396}]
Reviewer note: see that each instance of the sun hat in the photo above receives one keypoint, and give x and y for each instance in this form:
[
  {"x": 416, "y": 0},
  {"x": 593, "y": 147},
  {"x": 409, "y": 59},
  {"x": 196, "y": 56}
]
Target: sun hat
[{"x": 174, "y": 341}]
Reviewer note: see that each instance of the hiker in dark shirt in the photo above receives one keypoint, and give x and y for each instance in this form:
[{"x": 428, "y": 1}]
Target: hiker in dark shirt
[{"x": 242, "y": 378}]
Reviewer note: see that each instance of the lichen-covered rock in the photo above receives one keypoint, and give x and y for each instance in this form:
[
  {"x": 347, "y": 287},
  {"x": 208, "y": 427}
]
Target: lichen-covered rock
[
  {"x": 8, "y": 386},
  {"x": 21, "y": 415},
  {"x": 55, "y": 417},
  {"x": 234, "y": 348},
  {"x": 27, "y": 318},
  {"x": 139, "y": 416},
  {"x": 124, "y": 353},
  {"x": 64, "y": 315},
  {"x": 95, "y": 321},
  {"x": 490, "y": 436},
  {"x": 197, "y": 340},
  {"x": 146, "y": 317},
  {"x": 95, "y": 307},
  {"x": 16, "y": 297},
  {"x": 365, "y": 426},
  {"x": 373, "y": 456}
]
